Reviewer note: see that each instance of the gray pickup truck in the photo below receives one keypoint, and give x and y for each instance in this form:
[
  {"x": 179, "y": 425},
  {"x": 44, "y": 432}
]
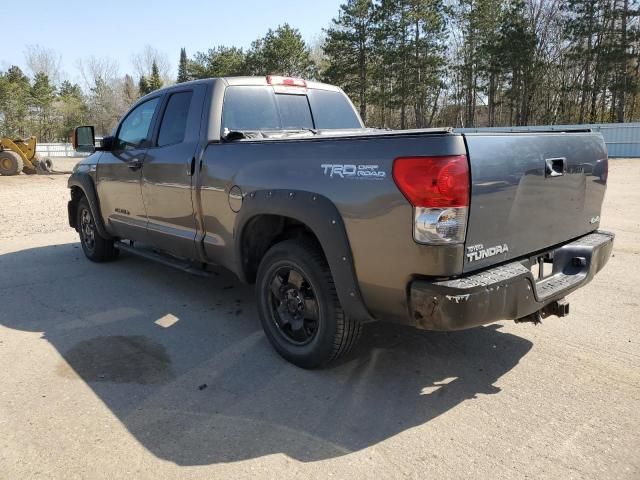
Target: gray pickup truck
[{"x": 278, "y": 180}]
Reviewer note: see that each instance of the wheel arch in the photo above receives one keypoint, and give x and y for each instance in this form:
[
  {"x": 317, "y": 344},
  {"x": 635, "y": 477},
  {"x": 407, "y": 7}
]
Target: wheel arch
[
  {"x": 81, "y": 184},
  {"x": 270, "y": 216}
]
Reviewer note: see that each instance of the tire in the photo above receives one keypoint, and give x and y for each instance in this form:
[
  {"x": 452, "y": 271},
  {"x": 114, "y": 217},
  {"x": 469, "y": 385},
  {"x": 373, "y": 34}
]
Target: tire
[
  {"x": 46, "y": 164},
  {"x": 325, "y": 332},
  {"x": 96, "y": 248},
  {"x": 10, "y": 163}
]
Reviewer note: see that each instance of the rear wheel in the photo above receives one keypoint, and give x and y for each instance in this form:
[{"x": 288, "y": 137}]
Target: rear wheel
[
  {"x": 95, "y": 247},
  {"x": 10, "y": 163},
  {"x": 299, "y": 307}
]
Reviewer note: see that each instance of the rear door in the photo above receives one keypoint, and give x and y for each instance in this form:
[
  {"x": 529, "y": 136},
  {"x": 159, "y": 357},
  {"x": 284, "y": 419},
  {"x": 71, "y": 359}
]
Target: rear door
[
  {"x": 531, "y": 191},
  {"x": 119, "y": 173},
  {"x": 168, "y": 172}
]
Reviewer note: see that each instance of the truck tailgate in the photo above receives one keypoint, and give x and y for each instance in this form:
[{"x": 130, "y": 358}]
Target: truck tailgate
[{"x": 531, "y": 191}]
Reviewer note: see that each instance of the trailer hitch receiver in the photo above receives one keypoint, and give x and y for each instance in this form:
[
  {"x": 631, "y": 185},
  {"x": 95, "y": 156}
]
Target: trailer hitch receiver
[{"x": 559, "y": 308}]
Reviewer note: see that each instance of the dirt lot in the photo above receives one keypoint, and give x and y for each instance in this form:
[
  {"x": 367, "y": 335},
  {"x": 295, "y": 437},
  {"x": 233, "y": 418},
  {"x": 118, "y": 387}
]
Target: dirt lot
[{"x": 134, "y": 370}]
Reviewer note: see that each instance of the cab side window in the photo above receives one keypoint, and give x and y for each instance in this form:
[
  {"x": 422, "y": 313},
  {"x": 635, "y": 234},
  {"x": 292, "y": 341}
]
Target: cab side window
[
  {"x": 136, "y": 127},
  {"x": 174, "y": 120}
]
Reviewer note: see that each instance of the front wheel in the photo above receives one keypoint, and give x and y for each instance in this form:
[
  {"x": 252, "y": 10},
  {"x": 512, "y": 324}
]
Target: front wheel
[
  {"x": 95, "y": 247},
  {"x": 10, "y": 163},
  {"x": 299, "y": 307}
]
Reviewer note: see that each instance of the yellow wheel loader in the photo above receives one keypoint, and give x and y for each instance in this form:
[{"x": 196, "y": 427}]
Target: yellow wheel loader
[{"x": 20, "y": 156}]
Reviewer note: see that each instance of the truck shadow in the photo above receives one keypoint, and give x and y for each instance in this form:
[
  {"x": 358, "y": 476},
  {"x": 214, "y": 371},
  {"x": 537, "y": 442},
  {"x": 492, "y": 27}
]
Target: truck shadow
[{"x": 183, "y": 364}]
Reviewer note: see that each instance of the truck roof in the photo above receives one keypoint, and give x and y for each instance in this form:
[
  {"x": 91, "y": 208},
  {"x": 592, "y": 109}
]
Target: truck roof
[
  {"x": 248, "y": 80},
  {"x": 262, "y": 81}
]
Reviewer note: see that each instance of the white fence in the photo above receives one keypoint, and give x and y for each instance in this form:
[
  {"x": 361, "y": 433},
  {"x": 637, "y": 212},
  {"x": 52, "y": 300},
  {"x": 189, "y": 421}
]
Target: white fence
[{"x": 57, "y": 150}]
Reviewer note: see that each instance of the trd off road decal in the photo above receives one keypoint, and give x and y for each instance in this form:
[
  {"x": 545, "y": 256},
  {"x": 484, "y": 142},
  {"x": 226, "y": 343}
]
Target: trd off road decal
[{"x": 355, "y": 172}]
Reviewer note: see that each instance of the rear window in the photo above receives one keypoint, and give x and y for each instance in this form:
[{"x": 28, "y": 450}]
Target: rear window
[
  {"x": 332, "y": 110},
  {"x": 260, "y": 108},
  {"x": 250, "y": 108},
  {"x": 294, "y": 111}
]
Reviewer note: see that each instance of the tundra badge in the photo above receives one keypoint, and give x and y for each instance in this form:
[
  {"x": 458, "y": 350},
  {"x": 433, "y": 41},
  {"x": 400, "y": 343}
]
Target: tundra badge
[{"x": 478, "y": 252}]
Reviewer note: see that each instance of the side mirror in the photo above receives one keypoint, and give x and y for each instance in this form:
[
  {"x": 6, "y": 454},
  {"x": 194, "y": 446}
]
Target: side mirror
[{"x": 84, "y": 139}]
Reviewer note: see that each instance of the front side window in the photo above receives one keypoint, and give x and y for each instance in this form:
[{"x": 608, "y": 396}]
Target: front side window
[
  {"x": 174, "y": 120},
  {"x": 136, "y": 126}
]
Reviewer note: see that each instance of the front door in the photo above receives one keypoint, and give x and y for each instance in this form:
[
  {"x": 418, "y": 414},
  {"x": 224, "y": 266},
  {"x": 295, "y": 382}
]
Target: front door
[
  {"x": 120, "y": 173},
  {"x": 168, "y": 173}
]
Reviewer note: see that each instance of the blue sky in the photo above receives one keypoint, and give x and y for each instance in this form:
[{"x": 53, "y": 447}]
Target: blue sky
[{"x": 78, "y": 29}]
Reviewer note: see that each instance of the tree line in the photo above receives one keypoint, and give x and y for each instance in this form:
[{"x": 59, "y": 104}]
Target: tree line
[{"x": 404, "y": 63}]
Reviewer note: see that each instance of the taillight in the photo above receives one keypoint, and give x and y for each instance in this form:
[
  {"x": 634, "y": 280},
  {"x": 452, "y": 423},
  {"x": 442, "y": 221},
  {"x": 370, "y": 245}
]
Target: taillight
[
  {"x": 438, "y": 188},
  {"x": 286, "y": 81}
]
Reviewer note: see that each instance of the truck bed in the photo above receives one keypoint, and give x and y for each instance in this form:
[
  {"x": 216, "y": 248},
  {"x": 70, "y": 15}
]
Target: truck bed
[{"x": 512, "y": 202}]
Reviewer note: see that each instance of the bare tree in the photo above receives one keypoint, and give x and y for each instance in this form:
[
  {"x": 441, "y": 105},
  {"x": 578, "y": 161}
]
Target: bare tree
[
  {"x": 143, "y": 64},
  {"x": 40, "y": 59},
  {"x": 103, "y": 88},
  {"x": 94, "y": 68}
]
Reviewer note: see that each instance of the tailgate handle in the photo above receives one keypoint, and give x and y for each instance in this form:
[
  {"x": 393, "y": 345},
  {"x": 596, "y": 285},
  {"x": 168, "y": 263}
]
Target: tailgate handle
[{"x": 555, "y": 167}]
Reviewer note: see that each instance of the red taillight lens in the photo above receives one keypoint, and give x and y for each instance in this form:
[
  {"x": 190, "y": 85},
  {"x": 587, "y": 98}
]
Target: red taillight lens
[{"x": 433, "y": 182}]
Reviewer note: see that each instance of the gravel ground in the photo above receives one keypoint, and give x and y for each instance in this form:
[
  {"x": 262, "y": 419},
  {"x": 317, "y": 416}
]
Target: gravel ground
[
  {"x": 133, "y": 370},
  {"x": 32, "y": 204}
]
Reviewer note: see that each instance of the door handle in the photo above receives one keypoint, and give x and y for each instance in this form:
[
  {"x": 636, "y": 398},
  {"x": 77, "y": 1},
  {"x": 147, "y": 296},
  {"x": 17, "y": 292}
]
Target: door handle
[
  {"x": 555, "y": 167},
  {"x": 192, "y": 167},
  {"x": 134, "y": 164}
]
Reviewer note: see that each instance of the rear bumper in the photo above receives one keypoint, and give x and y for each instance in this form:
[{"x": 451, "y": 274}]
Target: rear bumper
[{"x": 507, "y": 292}]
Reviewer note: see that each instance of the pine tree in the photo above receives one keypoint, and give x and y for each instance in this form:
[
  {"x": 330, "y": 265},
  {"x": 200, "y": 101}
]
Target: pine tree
[
  {"x": 281, "y": 52},
  {"x": 42, "y": 95},
  {"x": 349, "y": 48},
  {"x": 143, "y": 86},
  {"x": 219, "y": 62},
  {"x": 425, "y": 61},
  {"x": 14, "y": 99},
  {"x": 71, "y": 109},
  {"x": 582, "y": 30},
  {"x": 518, "y": 45},
  {"x": 183, "y": 67},
  {"x": 491, "y": 52},
  {"x": 155, "y": 81},
  {"x": 104, "y": 105},
  {"x": 68, "y": 89},
  {"x": 129, "y": 92}
]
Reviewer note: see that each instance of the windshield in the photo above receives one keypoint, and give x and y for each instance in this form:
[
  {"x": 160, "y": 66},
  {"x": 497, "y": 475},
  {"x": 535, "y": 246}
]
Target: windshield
[{"x": 260, "y": 108}]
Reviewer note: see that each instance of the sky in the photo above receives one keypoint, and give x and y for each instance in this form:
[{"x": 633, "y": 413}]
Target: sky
[{"x": 78, "y": 29}]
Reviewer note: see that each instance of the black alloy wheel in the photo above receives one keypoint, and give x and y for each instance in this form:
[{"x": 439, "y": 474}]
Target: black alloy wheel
[{"x": 294, "y": 306}]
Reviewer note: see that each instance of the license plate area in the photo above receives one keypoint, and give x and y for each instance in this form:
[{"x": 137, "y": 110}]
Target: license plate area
[{"x": 541, "y": 266}]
